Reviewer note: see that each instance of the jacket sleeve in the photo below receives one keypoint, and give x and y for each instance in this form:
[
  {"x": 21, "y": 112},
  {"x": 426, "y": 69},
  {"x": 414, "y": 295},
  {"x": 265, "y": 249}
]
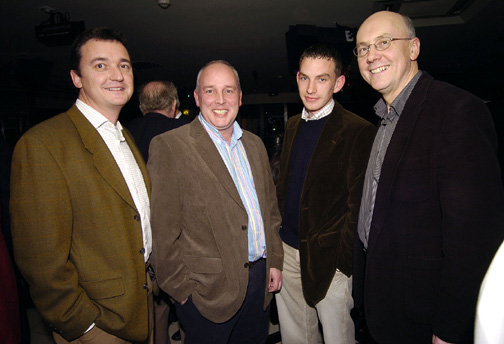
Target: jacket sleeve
[
  {"x": 471, "y": 200},
  {"x": 41, "y": 211},
  {"x": 356, "y": 172},
  {"x": 166, "y": 220},
  {"x": 343, "y": 224}
]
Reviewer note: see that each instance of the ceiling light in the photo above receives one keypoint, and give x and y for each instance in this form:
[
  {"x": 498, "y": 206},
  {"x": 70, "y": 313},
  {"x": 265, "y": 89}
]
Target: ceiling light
[{"x": 164, "y": 4}]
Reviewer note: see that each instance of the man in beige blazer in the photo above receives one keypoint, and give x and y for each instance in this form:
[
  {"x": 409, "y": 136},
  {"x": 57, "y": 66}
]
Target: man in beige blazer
[
  {"x": 80, "y": 206},
  {"x": 215, "y": 218}
]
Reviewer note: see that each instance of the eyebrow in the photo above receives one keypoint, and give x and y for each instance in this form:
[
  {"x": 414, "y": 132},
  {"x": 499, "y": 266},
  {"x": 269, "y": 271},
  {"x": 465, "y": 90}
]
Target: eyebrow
[
  {"x": 104, "y": 59},
  {"x": 225, "y": 86},
  {"x": 388, "y": 35},
  {"x": 316, "y": 76}
]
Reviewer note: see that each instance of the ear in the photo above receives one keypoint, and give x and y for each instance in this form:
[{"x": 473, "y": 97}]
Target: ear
[
  {"x": 240, "y": 103},
  {"x": 76, "y": 79},
  {"x": 196, "y": 98},
  {"x": 297, "y": 77},
  {"x": 340, "y": 82},
  {"x": 173, "y": 108},
  {"x": 414, "y": 48}
]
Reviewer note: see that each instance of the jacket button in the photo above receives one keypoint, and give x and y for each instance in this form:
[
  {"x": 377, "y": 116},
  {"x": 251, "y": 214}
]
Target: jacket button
[
  {"x": 244, "y": 227},
  {"x": 246, "y": 265},
  {"x": 136, "y": 217},
  {"x": 142, "y": 250}
]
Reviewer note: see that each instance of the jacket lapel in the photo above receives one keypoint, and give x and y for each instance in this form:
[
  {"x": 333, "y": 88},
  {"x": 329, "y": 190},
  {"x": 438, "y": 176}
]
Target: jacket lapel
[
  {"x": 253, "y": 157},
  {"x": 326, "y": 144},
  {"x": 103, "y": 159},
  {"x": 206, "y": 149},
  {"x": 393, "y": 157}
]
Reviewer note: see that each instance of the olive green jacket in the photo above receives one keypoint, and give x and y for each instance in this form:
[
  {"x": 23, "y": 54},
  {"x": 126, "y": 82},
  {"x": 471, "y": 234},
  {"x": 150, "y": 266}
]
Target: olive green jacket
[{"x": 76, "y": 231}]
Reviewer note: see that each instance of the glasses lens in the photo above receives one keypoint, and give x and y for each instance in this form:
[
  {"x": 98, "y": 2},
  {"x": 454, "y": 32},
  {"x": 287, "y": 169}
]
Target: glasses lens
[
  {"x": 383, "y": 43},
  {"x": 360, "y": 51}
]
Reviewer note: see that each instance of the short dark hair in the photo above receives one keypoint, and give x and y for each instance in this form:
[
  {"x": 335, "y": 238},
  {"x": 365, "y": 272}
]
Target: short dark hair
[
  {"x": 99, "y": 33},
  {"x": 323, "y": 51},
  {"x": 158, "y": 95}
]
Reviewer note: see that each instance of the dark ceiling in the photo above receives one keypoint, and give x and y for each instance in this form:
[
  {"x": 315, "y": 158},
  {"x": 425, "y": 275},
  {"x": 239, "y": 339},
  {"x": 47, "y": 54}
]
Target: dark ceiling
[{"x": 462, "y": 40}]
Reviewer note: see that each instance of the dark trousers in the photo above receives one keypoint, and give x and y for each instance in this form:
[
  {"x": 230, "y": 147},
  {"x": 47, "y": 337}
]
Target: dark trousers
[{"x": 249, "y": 325}]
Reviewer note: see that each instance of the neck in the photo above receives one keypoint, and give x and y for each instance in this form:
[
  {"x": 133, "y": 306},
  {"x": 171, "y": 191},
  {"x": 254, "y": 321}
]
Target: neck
[
  {"x": 169, "y": 114},
  {"x": 111, "y": 114},
  {"x": 389, "y": 98}
]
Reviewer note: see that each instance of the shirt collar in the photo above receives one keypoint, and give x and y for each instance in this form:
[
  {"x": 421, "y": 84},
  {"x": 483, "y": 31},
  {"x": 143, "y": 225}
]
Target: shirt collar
[
  {"x": 215, "y": 134},
  {"x": 325, "y": 111},
  {"x": 97, "y": 120},
  {"x": 397, "y": 106}
]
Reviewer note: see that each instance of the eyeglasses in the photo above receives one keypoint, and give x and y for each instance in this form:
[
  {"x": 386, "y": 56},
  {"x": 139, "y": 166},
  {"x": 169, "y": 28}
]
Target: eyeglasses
[{"x": 380, "y": 44}]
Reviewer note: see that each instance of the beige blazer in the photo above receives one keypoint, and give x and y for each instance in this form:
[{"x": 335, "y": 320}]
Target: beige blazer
[
  {"x": 199, "y": 224},
  {"x": 76, "y": 231}
]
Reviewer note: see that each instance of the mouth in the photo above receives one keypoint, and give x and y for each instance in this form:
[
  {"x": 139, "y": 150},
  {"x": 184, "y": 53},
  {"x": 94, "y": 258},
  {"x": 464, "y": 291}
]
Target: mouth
[
  {"x": 220, "y": 112},
  {"x": 379, "y": 69},
  {"x": 114, "y": 88},
  {"x": 311, "y": 99}
]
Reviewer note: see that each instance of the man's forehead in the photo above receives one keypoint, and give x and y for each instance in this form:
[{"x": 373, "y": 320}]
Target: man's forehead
[
  {"x": 381, "y": 25},
  {"x": 95, "y": 45},
  {"x": 216, "y": 74}
]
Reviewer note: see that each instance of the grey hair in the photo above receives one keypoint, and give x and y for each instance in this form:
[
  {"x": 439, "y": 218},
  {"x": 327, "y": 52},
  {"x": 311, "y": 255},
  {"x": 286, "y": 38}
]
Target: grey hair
[{"x": 409, "y": 26}]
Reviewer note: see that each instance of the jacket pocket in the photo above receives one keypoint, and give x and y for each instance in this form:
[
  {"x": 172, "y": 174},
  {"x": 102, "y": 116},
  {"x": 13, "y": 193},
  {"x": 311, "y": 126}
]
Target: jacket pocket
[
  {"x": 103, "y": 289},
  {"x": 202, "y": 265},
  {"x": 207, "y": 273}
]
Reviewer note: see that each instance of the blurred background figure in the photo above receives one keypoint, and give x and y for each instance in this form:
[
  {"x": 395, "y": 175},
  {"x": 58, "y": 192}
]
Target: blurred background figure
[{"x": 159, "y": 104}]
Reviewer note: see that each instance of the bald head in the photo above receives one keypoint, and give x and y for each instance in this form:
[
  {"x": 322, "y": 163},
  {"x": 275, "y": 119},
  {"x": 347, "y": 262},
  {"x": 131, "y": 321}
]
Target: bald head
[
  {"x": 160, "y": 97},
  {"x": 389, "y": 70}
]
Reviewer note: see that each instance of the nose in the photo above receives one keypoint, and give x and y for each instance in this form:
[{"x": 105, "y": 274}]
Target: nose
[
  {"x": 219, "y": 99},
  {"x": 372, "y": 54},
  {"x": 311, "y": 87},
  {"x": 116, "y": 74}
]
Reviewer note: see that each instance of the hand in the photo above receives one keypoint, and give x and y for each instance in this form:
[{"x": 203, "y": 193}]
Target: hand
[
  {"x": 275, "y": 282},
  {"x": 436, "y": 340}
]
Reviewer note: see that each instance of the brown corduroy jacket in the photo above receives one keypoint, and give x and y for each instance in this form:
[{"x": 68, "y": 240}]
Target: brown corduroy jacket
[
  {"x": 330, "y": 199},
  {"x": 199, "y": 223}
]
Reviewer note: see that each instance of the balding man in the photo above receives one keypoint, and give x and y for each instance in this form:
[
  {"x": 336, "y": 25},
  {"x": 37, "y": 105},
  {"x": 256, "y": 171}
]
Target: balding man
[
  {"x": 215, "y": 218},
  {"x": 431, "y": 215},
  {"x": 159, "y": 103}
]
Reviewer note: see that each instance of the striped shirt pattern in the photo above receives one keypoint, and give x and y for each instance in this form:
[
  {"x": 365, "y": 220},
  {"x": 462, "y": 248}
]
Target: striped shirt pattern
[
  {"x": 386, "y": 129},
  {"x": 236, "y": 161}
]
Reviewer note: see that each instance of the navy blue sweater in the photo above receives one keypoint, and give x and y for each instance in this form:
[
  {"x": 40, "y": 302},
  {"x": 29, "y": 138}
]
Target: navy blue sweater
[{"x": 306, "y": 140}]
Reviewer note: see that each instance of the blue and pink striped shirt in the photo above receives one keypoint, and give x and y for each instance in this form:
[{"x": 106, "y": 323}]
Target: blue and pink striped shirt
[{"x": 236, "y": 161}]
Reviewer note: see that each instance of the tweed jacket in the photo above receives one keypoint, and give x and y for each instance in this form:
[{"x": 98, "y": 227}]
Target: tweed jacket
[
  {"x": 199, "y": 224},
  {"x": 330, "y": 199},
  {"x": 76, "y": 231},
  {"x": 438, "y": 219}
]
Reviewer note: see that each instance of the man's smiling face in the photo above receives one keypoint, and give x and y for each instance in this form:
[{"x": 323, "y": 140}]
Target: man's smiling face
[
  {"x": 106, "y": 76},
  {"x": 387, "y": 71}
]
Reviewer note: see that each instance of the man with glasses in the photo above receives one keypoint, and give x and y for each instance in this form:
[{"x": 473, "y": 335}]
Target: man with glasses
[{"x": 431, "y": 215}]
